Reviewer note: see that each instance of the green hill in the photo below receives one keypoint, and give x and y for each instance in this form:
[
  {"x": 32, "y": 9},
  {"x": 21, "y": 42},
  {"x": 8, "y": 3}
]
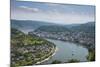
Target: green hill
[
  {"x": 86, "y": 27},
  {"x": 28, "y": 25},
  {"x": 27, "y": 49},
  {"x": 52, "y": 28}
]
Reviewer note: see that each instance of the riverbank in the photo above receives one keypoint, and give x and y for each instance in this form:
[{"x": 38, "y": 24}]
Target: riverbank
[
  {"x": 68, "y": 50},
  {"x": 88, "y": 46},
  {"x": 91, "y": 51},
  {"x": 48, "y": 57}
]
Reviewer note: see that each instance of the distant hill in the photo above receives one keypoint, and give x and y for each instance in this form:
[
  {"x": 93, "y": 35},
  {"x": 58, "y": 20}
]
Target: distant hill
[
  {"x": 86, "y": 27},
  {"x": 27, "y": 25},
  {"x": 52, "y": 28}
]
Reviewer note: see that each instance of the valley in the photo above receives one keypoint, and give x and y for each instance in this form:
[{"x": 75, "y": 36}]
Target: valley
[{"x": 35, "y": 42}]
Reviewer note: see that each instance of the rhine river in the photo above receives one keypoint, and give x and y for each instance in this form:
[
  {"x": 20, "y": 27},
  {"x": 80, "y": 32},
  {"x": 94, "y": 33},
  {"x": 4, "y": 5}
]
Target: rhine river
[{"x": 67, "y": 51}]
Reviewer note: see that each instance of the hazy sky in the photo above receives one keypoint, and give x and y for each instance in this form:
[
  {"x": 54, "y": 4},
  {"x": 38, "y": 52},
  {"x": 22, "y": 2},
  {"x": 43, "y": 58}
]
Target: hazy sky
[{"x": 55, "y": 13}]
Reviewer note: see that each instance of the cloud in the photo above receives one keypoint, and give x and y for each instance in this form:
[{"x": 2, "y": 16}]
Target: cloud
[
  {"x": 29, "y": 8},
  {"x": 54, "y": 17},
  {"x": 55, "y": 13},
  {"x": 53, "y": 4}
]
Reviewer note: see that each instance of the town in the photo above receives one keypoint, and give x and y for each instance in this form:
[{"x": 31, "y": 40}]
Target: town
[{"x": 86, "y": 39}]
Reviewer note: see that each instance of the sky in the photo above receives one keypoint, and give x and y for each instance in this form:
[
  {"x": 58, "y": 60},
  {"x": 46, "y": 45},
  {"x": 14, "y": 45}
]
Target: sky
[{"x": 50, "y": 12}]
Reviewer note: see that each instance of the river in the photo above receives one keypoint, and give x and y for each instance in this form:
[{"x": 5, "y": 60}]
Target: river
[{"x": 67, "y": 51}]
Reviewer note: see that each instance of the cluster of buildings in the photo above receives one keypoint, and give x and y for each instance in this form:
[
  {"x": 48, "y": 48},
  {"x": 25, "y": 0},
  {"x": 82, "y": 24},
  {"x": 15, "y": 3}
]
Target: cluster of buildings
[
  {"x": 87, "y": 39},
  {"x": 36, "y": 52}
]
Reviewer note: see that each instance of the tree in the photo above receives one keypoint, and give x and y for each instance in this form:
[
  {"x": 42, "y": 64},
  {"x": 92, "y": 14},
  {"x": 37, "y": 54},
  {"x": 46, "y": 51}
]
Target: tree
[
  {"x": 56, "y": 62},
  {"x": 73, "y": 61}
]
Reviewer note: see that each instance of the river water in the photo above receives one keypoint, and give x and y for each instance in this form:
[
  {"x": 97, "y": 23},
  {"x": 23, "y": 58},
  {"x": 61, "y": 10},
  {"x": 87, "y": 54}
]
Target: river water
[{"x": 67, "y": 51}]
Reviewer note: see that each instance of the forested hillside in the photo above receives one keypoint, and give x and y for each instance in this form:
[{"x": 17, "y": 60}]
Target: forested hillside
[{"x": 27, "y": 49}]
